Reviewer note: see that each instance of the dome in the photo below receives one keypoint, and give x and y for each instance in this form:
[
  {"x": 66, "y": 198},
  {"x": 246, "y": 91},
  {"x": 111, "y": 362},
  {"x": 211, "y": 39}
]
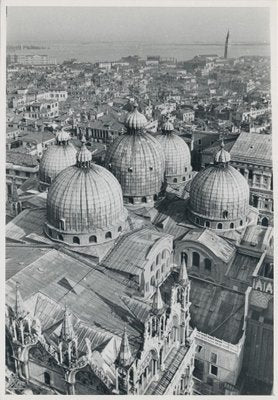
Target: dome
[
  {"x": 56, "y": 158},
  {"x": 219, "y": 196},
  {"x": 85, "y": 204},
  {"x": 177, "y": 156},
  {"x": 137, "y": 161}
]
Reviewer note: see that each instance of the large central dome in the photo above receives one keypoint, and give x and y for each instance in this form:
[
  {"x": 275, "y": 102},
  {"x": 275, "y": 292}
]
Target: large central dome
[
  {"x": 137, "y": 161},
  {"x": 85, "y": 204},
  {"x": 219, "y": 196}
]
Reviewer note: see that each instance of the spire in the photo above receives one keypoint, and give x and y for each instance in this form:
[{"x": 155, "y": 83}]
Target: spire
[
  {"x": 20, "y": 311},
  {"x": 226, "y": 45},
  {"x": 158, "y": 304},
  {"x": 183, "y": 277},
  {"x": 124, "y": 356},
  {"x": 67, "y": 332}
]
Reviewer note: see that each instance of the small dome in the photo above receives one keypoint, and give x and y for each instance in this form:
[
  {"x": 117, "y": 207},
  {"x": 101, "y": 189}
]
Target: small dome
[
  {"x": 177, "y": 158},
  {"x": 56, "y": 158},
  {"x": 135, "y": 120},
  {"x": 85, "y": 204},
  {"x": 219, "y": 197}
]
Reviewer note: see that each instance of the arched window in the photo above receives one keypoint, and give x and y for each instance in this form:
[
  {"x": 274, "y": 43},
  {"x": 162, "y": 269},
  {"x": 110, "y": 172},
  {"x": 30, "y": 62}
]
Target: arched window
[
  {"x": 157, "y": 275},
  {"x": 241, "y": 222},
  {"x": 163, "y": 268},
  {"x": 60, "y": 237},
  {"x": 62, "y": 224},
  {"x": 152, "y": 266},
  {"x": 93, "y": 239},
  {"x": 185, "y": 169},
  {"x": 175, "y": 180},
  {"x": 164, "y": 254},
  {"x": 144, "y": 199},
  {"x": 197, "y": 220},
  {"x": 46, "y": 378},
  {"x": 50, "y": 232},
  {"x": 184, "y": 257},
  {"x": 196, "y": 259},
  {"x": 155, "y": 197},
  {"x": 130, "y": 200},
  {"x": 219, "y": 226},
  {"x": 158, "y": 258},
  {"x": 120, "y": 229},
  {"x": 264, "y": 221},
  {"x": 183, "y": 178},
  {"x": 207, "y": 264},
  {"x": 147, "y": 287},
  {"x": 76, "y": 240},
  {"x": 152, "y": 281},
  {"x": 108, "y": 235},
  {"x": 207, "y": 223},
  {"x": 232, "y": 225},
  {"x": 225, "y": 214}
]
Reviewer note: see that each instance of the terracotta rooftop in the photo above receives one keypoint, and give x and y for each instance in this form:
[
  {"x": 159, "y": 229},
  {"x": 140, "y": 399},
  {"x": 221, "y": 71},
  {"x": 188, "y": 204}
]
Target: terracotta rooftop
[{"x": 21, "y": 158}]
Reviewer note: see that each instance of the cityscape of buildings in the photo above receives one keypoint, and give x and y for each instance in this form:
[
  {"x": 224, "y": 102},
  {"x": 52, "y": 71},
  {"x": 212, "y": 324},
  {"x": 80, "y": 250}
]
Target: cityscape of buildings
[{"x": 139, "y": 226}]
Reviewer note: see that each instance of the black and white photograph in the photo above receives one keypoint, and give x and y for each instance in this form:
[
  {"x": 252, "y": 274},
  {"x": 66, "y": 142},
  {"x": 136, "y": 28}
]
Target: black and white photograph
[{"x": 138, "y": 195}]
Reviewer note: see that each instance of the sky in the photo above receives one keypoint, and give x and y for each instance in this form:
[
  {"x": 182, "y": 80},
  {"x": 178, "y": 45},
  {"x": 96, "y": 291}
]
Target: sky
[{"x": 143, "y": 24}]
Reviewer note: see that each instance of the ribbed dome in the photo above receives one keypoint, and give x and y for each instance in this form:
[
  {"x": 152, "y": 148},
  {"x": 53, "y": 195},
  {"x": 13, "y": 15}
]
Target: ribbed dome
[
  {"x": 85, "y": 200},
  {"x": 137, "y": 161},
  {"x": 56, "y": 158},
  {"x": 219, "y": 197},
  {"x": 177, "y": 158},
  {"x": 135, "y": 120}
]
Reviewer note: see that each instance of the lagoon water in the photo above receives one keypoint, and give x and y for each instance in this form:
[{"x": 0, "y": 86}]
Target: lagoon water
[{"x": 111, "y": 51}]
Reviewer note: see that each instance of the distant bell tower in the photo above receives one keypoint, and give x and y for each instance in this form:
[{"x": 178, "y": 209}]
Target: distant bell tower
[{"x": 226, "y": 45}]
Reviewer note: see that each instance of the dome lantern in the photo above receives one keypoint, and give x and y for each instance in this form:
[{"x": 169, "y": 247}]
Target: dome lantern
[
  {"x": 167, "y": 127},
  {"x": 84, "y": 156},
  {"x": 135, "y": 121},
  {"x": 222, "y": 157}
]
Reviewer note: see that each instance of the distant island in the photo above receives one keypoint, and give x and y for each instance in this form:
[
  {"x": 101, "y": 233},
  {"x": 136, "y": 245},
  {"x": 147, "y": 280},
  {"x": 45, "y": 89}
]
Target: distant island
[{"x": 25, "y": 47}]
